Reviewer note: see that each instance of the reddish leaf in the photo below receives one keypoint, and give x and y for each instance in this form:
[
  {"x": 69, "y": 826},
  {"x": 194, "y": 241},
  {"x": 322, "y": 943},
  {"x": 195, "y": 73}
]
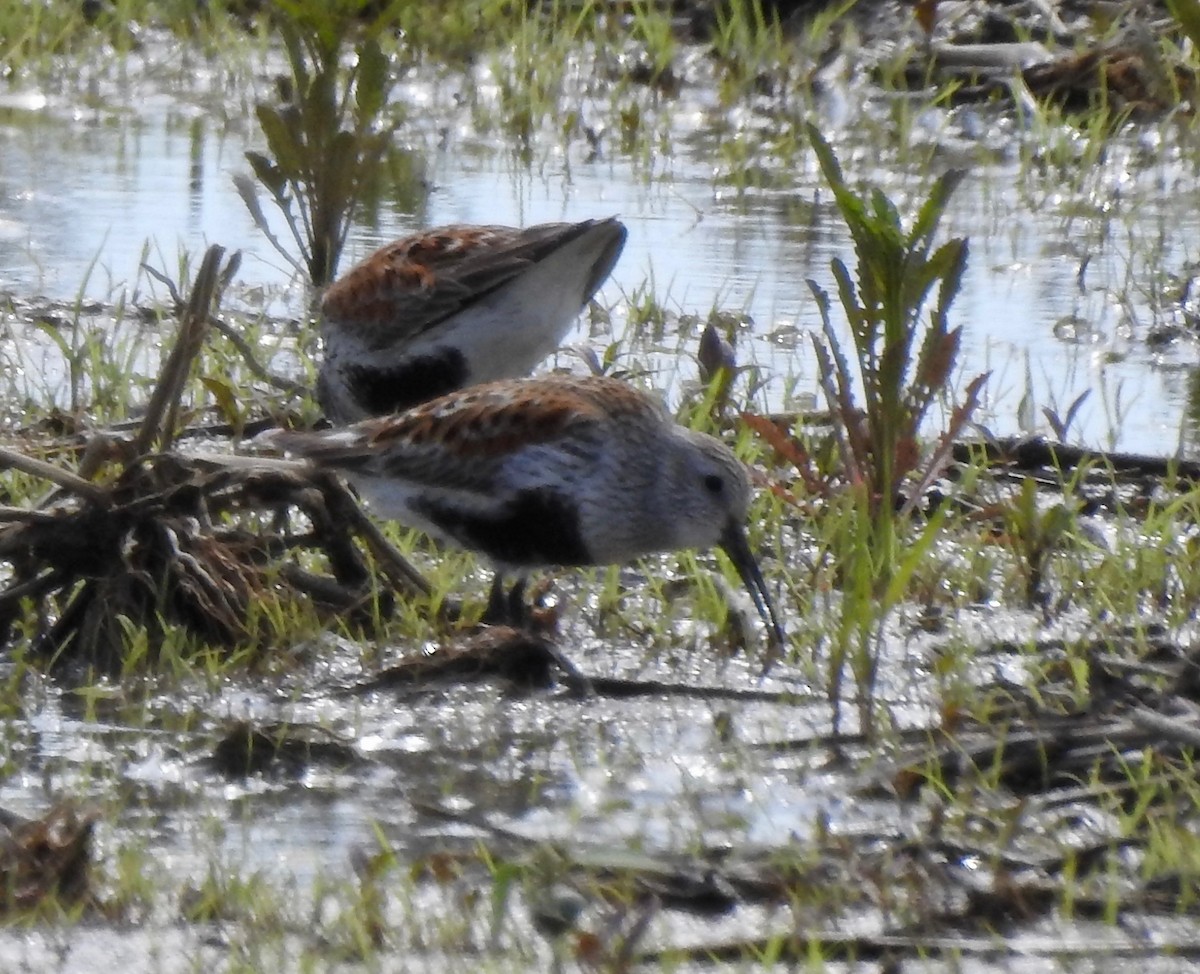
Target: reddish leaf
[
  {"x": 908, "y": 455},
  {"x": 786, "y": 445}
]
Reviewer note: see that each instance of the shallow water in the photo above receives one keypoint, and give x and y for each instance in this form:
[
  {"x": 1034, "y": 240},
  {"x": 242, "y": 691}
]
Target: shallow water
[
  {"x": 82, "y": 192},
  {"x": 85, "y": 190}
]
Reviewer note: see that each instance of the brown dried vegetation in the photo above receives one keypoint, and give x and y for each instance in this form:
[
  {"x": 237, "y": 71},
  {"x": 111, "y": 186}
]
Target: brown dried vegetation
[
  {"x": 175, "y": 539},
  {"x": 46, "y": 859}
]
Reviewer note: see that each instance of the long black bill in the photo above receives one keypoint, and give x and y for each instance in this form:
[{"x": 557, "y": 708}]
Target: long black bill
[{"x": 735, "y": 545}]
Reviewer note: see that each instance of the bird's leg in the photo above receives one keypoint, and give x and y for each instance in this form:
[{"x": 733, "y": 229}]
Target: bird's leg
[
  {"x": 509, "y": 608},
  {"x": 519, "y": 611},
  {"x": 506, "y": 608},
  {"x": 496, "y": 612}
]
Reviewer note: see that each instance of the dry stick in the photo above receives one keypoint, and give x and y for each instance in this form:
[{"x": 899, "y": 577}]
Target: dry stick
[
  {"x": 237, "y": 341},
  {"x": 33, "y": 587},
  {"x": 243, "y": 348},
  {"x": 100, "y": 448},
  {"x": 163, "y": 410},
  {"x": 212, "y": 460},
  {"x": 319, "y": 586},
  {"x": 1171, "y": 728},
  {"x": 10, "y": 459},
  {"x": 210, "y": 284},
  {"x": 25, "y": 515},
  {"x": 393, "y": 563}
]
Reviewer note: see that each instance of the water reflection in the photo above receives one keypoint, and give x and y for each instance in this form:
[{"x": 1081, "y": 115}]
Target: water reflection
[{"x": 81, "y": 199}]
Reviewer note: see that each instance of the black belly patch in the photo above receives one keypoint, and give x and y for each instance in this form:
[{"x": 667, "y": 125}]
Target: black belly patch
[
  {"x": 538, "y": 527},
  {"x": 379, "y": 391}
]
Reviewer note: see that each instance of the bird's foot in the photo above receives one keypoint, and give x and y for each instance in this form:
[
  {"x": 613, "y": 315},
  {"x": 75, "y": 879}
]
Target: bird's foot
[{"x": 509, "y": 608}]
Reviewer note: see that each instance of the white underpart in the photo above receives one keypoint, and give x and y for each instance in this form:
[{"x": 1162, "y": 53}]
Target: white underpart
[
  {"x": 615, "y": 500},
  {"x": 506, "y": 334}
]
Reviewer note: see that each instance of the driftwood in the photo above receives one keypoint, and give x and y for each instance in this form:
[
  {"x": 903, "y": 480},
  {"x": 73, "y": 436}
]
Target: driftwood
[
  {"x": 156, "y": 549},
  {"x": 175, "y": 540}
]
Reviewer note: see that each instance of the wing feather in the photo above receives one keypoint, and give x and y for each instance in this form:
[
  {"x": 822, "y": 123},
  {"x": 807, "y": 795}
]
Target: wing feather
[
  {"x": 418, "y": 282},
  {"x": 465, "y": 440}
]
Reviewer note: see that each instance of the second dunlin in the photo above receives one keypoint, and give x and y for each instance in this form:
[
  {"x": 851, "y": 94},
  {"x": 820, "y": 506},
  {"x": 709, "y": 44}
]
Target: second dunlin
[{"x": 454, "y": 307}]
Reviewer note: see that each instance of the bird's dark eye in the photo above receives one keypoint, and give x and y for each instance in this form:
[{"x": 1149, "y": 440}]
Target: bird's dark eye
[{"x": 714, "y": 484}]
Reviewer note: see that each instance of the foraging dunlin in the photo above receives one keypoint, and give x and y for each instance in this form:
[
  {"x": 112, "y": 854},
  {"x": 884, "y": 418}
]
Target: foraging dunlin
[
  {"x": 454, "y": 307},
  {"x": 556, "y": 470}
]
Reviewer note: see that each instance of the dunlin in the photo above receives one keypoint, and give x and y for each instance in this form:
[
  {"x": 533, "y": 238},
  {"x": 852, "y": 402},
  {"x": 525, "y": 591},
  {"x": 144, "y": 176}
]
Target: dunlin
[
  {"x": 454, "y": 307},
  {"x": 556, "y": 470}
]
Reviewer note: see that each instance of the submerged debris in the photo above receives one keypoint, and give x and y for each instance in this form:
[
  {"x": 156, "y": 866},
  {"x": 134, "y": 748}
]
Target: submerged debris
[
  {"x": 45, "y": 859},
  {"x": 523, "y": 657},
  {"x": 286, "y": 750},
  {"x": 1137, "y": 65},
  {"x": 1024, "y": 826}
]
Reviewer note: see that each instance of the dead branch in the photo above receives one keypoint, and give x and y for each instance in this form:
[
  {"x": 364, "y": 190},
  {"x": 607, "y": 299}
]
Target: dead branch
[
  {"x": 11, "y": 460},
  {"x": 162, "y": 412},
  {"x": 199, "y": 542}
]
